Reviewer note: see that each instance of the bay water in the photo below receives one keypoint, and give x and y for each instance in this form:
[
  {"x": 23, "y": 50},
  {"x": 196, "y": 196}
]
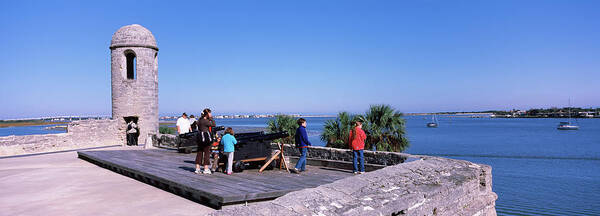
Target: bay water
[
  {"x": 536, "y": 169},
  {"x": 30, "y": 130}
]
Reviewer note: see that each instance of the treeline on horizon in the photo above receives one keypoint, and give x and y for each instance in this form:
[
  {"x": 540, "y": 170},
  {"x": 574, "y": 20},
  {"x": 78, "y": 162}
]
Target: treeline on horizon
[{"x": 533, "y": 111}]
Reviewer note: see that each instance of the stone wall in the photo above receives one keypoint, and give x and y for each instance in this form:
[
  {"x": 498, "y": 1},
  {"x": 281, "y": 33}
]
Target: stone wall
[
  {"x": 428, "y": 186},
  {"x": 165, "y": 141},
  {"x": 371, "y": 157},
  {"x": 80, "y": 134}
]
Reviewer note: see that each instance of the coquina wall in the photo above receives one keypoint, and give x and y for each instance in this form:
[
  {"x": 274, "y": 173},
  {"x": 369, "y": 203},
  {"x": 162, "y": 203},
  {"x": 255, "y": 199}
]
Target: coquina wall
[
  {"x": 80, "y": 134},
  {"x": 417, "y": 185}
]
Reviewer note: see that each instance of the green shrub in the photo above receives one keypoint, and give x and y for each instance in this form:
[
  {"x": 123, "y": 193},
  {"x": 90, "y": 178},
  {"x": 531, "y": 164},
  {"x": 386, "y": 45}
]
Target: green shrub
[
  {"x": 167, "y": 130},
  {"x": 384, "y": 126},
  {"x": 283, "y": 123}
]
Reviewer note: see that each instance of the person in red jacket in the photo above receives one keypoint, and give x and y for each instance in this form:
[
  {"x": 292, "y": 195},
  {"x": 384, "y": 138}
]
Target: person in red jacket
[{"x": 357, "y": 144}]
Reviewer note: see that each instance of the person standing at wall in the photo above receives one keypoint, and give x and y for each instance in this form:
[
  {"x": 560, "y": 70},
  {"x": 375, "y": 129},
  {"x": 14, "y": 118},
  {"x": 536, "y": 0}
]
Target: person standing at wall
[
  {"x": 228, "y": 142},
  {"x": 193, "y": 123},
  {"x": 357, "y": 144},
  {"x": 183, "y": 124},
  {"x": 302, "y": 143},
  {"x": 132, "y": 133},
  {"x": 204, "y": 140}
]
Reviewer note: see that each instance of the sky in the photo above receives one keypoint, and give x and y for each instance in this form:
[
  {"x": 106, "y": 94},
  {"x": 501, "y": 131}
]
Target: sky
[{"x": 307, "y": 57}]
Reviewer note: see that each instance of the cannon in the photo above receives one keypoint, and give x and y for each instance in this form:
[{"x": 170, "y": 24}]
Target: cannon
[
  {"x": 252, "y": 150},
  {"x": 187, "y": 141}
]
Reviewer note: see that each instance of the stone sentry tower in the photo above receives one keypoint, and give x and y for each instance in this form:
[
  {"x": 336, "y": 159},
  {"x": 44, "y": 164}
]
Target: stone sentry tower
[{"x": 134, "y": 79}]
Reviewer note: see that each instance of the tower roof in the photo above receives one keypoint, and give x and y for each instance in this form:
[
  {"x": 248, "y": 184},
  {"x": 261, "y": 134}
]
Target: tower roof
[{"x": 133, "y": 36}]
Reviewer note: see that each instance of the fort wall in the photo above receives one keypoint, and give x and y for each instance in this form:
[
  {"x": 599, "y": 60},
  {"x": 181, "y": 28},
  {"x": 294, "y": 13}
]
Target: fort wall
[
  {"x": 419, "y": 185},
  {"x": 80, "y": 134}
]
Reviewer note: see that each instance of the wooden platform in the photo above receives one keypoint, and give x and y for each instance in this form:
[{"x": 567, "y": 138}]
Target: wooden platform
[{"x": 174, "y": 172}]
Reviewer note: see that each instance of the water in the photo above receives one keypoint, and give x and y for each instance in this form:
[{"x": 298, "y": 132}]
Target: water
[
  {"x": 503, "y": 137},
  {"x": 29, "y": 130},
  {"x": 537, "y": 169}
]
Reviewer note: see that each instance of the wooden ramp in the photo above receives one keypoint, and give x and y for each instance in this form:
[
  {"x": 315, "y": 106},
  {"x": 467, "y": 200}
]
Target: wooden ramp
[{"x": 174, "y": 172}]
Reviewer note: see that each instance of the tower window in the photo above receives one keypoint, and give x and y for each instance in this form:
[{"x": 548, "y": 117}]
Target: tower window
[{"x": 131, "y": 64}]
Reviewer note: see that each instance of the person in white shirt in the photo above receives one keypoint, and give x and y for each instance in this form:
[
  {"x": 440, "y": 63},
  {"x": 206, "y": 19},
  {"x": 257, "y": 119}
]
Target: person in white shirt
[
  {"x": 193, "y": 123},
  {"x": 132, "y": 133},
  {"x": 183, "y": 124}
]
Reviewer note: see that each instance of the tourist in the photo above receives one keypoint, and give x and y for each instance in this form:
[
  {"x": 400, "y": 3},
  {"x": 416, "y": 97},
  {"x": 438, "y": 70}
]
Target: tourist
[
  {"x": 204, "y": 140},
  {"x": 183, "y": 124},
  {"x": 228, "y": 142},
  {"x": 302, "y": 143},
  {"x": 193, "y": 124},
  {"x": 215, "y": 153},
  {"x": 132, "y": 133},
  {"x": 357, "y": 144}
]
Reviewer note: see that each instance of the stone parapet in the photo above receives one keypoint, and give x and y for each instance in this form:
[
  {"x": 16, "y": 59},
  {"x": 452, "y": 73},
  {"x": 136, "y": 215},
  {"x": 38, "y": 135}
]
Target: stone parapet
[
  {"x": 371, "y": 157},
  {"x": 165, "y": 141},
  {"x": 80, "y": 134},
  {"x": 421, "y": 185},
  {"x": 430, "y": 186}
]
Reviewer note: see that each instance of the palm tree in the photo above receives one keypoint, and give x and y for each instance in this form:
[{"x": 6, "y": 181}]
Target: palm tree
[
  {"x": 335, "y": 132},
  {"x": 283, "y": 123},
  {"x": 385, "y": 129}
]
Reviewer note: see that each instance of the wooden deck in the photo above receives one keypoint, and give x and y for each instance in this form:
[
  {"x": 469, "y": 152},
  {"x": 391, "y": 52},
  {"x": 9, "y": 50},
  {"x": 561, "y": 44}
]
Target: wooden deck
[{"x": 174, "y": 172}]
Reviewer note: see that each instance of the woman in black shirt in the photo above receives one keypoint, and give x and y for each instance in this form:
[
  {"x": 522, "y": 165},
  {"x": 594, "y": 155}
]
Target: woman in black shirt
[{"x": 204, "y": 139}]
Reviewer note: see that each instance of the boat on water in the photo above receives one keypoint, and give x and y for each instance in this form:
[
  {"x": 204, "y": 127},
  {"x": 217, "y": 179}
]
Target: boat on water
[
  {"x": 568, "y": 125},
  {"x": 433, "y": 123}
]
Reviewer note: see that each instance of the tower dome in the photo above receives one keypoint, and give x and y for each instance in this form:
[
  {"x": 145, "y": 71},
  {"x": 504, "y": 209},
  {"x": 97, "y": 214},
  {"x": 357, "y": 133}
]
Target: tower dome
[{"x": 133, "y": 36}]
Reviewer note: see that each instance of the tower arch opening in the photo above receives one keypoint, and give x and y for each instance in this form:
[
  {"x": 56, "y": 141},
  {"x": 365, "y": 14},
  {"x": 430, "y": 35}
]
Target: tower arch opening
[{"x": 131, "y": 62}]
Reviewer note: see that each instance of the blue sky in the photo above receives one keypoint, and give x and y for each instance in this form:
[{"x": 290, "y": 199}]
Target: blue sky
[{"x": 312, "y": 57}]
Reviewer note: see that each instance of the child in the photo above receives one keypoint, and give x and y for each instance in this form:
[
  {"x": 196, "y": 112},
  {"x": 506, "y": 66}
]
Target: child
[
  {"x": 357, "y": 144},
  {"x": 215, "y": 153},
  {"x": 228, "y": 140},
  {"x": 302, "y": 143}
]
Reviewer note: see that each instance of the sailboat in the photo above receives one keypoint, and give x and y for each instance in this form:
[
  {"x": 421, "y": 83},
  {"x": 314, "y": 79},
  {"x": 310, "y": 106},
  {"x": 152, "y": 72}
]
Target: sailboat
[
  {"x": 568, "y": 125},
  {"x": 434, "y": 122}
]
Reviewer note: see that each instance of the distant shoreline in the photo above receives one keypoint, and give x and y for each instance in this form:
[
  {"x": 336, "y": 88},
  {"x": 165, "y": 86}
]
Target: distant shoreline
[
  {"x": 589, "y": 113},
  {"x": 443, "y": 113}
]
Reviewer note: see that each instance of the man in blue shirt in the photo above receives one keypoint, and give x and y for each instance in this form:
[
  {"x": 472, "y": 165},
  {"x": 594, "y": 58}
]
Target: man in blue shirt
[{"x": 302, "y": 143}]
